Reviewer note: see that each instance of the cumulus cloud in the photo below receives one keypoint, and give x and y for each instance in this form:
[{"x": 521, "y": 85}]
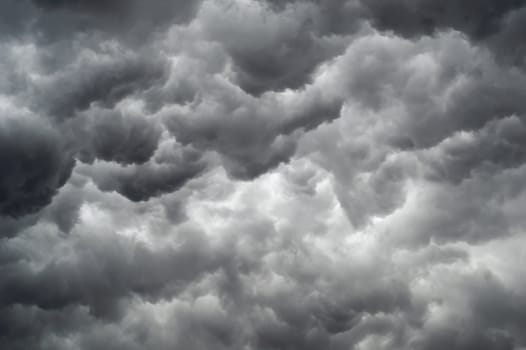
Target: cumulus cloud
[
  {"x": 274, "y": 51},
  {"x": 260, "y": 174},
  {"x": 34, "y": 163},
  {"x": 166, "y": 172},
  {"x": 115, "y": 137}
]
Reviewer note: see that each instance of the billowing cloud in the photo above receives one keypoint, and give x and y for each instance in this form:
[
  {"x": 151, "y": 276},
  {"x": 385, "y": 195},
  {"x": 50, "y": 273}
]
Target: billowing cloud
[
  {"x": 115, "y": 137},
  {"x": 35, "y": 163},
  {"x": 260, "y": 174}
]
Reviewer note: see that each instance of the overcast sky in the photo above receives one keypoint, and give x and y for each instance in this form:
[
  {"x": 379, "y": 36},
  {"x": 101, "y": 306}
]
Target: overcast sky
[{"x": 262, "y": 174}]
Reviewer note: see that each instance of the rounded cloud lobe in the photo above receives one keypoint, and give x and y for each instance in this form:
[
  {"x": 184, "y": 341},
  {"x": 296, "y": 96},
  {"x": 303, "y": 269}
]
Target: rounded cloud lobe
[
  {"x": 257, "y": 174},
  {"x": 34, "y": 165}
]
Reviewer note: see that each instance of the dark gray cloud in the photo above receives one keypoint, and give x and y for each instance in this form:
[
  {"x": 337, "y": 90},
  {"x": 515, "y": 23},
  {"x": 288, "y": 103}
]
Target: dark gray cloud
[
  {"x": 114, "y": 137},
  {"x": 166, "y": 172},
  {"x": 250, "y": 174},
  {"x": 100, "y": 80},
  {"x": 35, "y": 164},
  {"x": 108, "y": 269},
  {"x": 478, "y": 19},
  {"x": 273, "y": 52},
  {"x": 495, "y": 24},
  {"x": 179, "y": 10},
  {"x": 497, "y": 145},
  {"x": 52, "y": 20},
  {"x": 251, "y": 134}
]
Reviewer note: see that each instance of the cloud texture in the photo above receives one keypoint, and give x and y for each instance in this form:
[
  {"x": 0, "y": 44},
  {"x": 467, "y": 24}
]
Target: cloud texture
[{"x": 262, "y": 175}]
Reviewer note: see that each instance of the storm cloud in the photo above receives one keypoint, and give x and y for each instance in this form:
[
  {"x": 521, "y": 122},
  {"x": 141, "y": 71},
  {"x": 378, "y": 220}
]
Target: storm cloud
[{"x": 262, "y": 175}]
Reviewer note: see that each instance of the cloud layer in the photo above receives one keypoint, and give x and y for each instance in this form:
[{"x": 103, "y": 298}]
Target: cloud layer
[{"x": 259, "y": 174}]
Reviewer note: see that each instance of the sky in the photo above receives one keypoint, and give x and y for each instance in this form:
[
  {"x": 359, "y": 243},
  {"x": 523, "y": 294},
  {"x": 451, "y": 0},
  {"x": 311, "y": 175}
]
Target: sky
[{"x": 262, "y": 174}]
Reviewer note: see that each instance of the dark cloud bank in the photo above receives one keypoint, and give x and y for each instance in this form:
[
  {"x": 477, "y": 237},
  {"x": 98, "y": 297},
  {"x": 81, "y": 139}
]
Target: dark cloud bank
[{"x": 261, "y": 174}]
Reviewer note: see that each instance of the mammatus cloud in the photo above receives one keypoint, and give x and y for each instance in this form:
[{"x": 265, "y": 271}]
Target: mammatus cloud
[
  {"x": 255, "y": 174},
  {"x": 35, "y": 164}
]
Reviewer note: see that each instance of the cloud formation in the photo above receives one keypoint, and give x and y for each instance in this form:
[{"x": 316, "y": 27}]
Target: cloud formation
[
  {"x": 34, "y": 163},
  {"x": 260, "y": 174}
]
